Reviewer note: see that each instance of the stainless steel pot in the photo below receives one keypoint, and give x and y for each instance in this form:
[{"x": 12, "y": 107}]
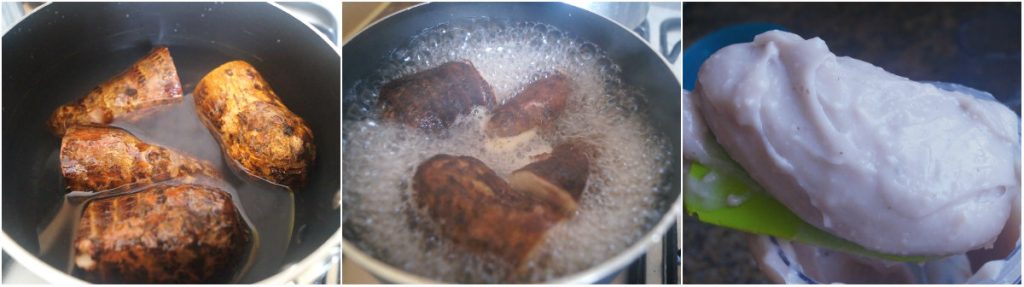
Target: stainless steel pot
[
  {"x": 61, "y": 50},
  {"x": 642, "y": 67}
]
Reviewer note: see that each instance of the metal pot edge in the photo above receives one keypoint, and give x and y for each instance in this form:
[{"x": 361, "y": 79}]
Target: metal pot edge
[
  {"x": 393, "y": 275},
  {"x": 288, "y": 274}
]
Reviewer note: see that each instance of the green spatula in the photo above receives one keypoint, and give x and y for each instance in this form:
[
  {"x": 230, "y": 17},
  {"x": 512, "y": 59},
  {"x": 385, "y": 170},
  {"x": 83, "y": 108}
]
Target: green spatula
[{"x": 732, "y": 202}]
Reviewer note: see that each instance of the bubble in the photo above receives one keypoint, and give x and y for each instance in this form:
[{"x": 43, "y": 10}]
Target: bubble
[
  {"x": 617, "y": 207},
  {"x": 539, "y": 29},
  {"x": 587, "y": 51}
]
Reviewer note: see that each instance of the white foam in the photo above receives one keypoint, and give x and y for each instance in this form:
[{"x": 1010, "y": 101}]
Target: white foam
[{"x": 620, "y": 201}]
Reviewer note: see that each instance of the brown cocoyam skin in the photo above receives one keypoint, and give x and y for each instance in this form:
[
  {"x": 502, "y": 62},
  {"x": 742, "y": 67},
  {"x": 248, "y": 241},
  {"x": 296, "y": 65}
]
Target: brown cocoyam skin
[
  {"x": 152, "y": 81},
  {"x": 103, "y": 158},
  {"x": 431, "y": 100},
  {"x": 253, "y": 126},
  {"x": 540, "y": 103},
  {"x": 477, "y": 210},
  {"x": 559, "y": 177},
  {"x": 163, "y": 234}
]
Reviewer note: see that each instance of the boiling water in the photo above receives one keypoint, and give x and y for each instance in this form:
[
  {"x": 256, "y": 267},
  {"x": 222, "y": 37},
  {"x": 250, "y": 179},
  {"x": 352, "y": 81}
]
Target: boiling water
[
  {"x": 619, "y": 204},
  {"x": 268, "y": 209}
]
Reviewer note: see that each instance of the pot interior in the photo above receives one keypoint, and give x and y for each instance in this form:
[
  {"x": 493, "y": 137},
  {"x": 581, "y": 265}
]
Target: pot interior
[
  {"x": 641, "y": 67},
  {"x": 62, "y": 50}
]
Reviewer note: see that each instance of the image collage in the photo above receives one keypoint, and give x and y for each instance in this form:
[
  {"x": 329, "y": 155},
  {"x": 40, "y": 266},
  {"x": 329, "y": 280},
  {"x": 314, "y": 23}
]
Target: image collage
[{"x": 330, "y": 142}]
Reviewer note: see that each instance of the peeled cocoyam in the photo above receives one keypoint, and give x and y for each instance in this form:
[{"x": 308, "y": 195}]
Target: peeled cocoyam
[
  {"x": 507, "y": 144},
  {"x": 894, "y": 165}
]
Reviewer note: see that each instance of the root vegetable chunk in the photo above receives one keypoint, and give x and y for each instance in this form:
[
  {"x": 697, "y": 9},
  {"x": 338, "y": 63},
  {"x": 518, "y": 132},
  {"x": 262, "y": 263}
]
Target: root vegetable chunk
[
  {"x": 478, "y": 210},
  {"x": 253, "y": 126},
  {"x": 104, "y": 158},
  {"x": 537, "y": 105},
  {"x": 559, "y": 177},
  {"x": 164, "y": 234},
  {"x": 150, "y": 82},
  {"x": 431, "y": 100}
]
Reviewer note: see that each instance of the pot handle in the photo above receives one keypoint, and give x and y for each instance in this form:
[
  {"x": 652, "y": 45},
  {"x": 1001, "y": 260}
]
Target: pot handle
[
  {"x": 328, "y": 272},
  {"x": 666, "y": 27}
]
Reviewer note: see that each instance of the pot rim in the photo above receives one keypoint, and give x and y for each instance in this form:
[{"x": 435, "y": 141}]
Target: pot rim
[
  {"x": 592, "y": 274},
  {"x": 288, "y": 273},
  {"x": 597, "y": 272}
]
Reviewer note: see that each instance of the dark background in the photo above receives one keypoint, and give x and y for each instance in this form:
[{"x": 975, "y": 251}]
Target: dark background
[{"x": 974, "y": 44}]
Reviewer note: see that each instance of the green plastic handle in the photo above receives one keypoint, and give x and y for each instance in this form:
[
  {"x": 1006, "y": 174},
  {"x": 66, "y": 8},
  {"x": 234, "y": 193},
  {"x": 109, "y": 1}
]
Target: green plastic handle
[{"x": 731, "y": 202}]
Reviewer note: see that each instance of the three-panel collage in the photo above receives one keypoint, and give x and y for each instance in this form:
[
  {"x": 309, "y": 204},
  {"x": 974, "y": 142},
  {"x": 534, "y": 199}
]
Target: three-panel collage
[{"x": 330, "y": 142}]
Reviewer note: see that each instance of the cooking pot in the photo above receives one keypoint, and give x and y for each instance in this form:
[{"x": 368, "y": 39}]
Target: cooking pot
[
  {"x": 641, "y": 66},
  {"x": 60, "y": 51}
]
